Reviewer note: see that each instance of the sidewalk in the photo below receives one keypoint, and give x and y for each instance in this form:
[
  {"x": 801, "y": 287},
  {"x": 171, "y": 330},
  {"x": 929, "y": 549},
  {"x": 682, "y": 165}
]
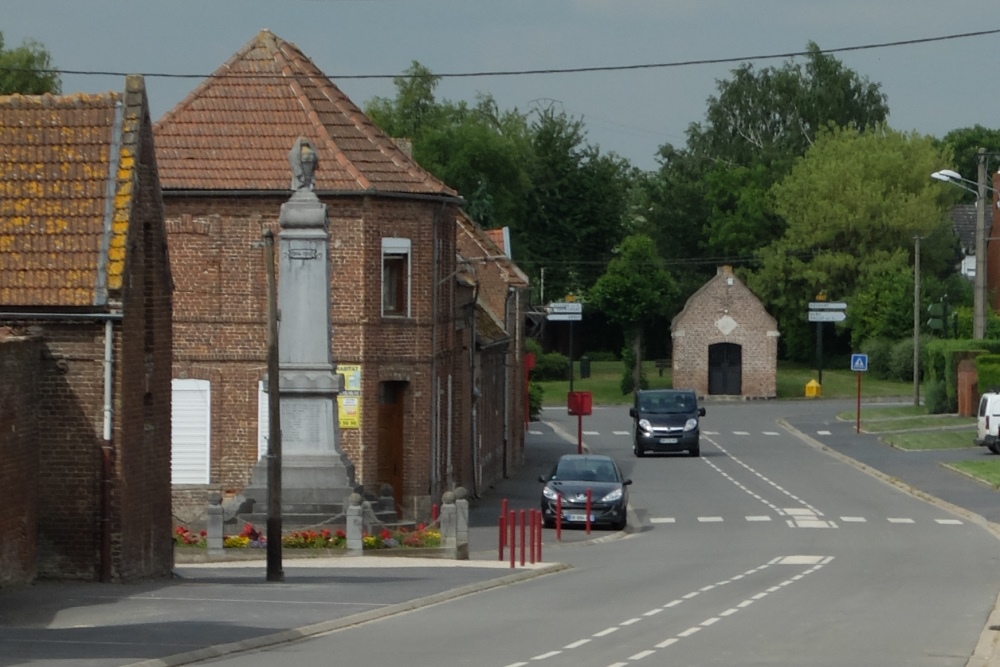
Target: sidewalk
[{"x": 212, "y": 609}]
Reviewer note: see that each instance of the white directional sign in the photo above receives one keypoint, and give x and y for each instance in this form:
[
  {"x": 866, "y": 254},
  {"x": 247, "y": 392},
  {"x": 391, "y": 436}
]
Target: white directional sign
[
  {"x": 570, "y": 311},
  {"x": 827, "y": 305},
  {"x": 827, "y": 316}
]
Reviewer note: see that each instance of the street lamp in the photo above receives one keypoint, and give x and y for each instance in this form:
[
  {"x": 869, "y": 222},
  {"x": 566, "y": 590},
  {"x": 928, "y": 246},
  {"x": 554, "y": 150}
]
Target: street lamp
[{"x": 979, "y": 290}]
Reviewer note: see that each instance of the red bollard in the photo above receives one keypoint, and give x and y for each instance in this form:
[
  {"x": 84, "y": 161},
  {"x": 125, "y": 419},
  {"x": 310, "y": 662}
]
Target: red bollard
[
  {"x": 538, "y": 528},
  {"x": 511, "y": 521},
  {"x": 559, "y": 518},
  {"x": 531, "y": 536},
  {"x": 500, "y": 542},
  {"x": 434, "y": 512},
  {"x": 503, "y": 533},
  {"x": 523, "y": 527},
  {"x": 589, "y": 502}
]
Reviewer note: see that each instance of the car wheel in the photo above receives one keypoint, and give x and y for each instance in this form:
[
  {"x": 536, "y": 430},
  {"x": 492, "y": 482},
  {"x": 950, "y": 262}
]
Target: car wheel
[
  {"x": 639, "y": 451},
  {"x": 993, "y": 447},
  {"x": 620, "y": 525},
  {"x": 550, "y": 523},
  {"x": 695, "y": 451}
]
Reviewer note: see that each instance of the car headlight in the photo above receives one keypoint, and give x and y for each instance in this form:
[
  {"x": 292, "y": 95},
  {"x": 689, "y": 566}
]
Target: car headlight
[
  {"x": 549, "y": 493},
  {"x": 691, "y": 424},
  {"x": 645, "y": 425},
  {"x": 613, "y": 496}
]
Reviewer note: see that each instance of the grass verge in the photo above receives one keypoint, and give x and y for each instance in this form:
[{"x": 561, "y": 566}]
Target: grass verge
[
  {"x": 913, "y": 442},
  {"x": 985, "y": 471}
]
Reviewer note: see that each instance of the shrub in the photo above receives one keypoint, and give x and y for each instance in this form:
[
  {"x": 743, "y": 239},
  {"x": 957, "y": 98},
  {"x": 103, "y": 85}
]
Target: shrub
[
  {"x": 901, "y": 360},
  {"x": 551, "y": 366},
  {"x": 879, "y": 351},
  {"x": 536, "y": 394},
  {"x": 936, "y": 397},
  {"x": 988, "y": 372}
]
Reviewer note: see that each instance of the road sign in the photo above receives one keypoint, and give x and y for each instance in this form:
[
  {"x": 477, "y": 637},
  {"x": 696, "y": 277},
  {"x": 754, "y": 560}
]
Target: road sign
[
  {"x": 564, "y": 311},
  {"x": 827, "y": 305},
  {"x": 859, "y": 362},
  {"x": 560, "y": 307},
  {"x": 827, "y": 316}
]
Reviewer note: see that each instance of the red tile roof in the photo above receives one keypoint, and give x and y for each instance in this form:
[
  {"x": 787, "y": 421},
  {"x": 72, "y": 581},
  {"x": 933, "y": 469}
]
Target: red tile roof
[
  {"x": 235, "y": 130},
  {"x": 65, "y": 198}
]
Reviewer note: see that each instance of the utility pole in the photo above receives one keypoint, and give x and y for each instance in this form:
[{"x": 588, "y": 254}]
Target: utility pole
[
  {"x": 274, "y": 571},
  {"x": 916, "y": 321},
  {"x": 979, "y": 298}
]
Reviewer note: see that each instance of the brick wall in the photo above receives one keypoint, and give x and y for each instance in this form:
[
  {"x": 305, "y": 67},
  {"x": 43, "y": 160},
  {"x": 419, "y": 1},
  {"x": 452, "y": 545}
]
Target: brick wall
[
  {"x": 19, "y": 367},
  {"x": 724, "y": 310},
  {"x": 142, "y": 543},
  {"x": 219, "y": 321}
]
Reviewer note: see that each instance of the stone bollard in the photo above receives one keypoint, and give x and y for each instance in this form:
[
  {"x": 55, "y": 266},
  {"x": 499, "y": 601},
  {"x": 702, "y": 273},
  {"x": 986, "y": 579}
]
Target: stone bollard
[
  {"x": 214, "y": 538},
  {"x": 462, "y": 512},
  {"x": 355, "y": 545},
  {"x": 449, "y": 524}
]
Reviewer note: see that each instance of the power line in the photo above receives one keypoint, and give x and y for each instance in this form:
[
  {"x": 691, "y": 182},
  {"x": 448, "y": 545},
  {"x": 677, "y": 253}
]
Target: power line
[{"x": 566, "y": 70}]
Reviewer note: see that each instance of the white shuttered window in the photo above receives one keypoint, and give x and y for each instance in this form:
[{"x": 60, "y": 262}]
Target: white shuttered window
[{"x": 191, "y": 424}]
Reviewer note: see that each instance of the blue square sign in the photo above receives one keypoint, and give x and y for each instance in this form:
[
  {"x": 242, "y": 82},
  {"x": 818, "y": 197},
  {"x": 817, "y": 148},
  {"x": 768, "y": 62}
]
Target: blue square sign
[{"x": 859, "y": 362}]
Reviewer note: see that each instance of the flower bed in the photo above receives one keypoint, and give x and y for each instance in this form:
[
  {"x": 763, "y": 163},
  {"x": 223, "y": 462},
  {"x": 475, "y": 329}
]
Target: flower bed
[{"x": 420, "y": 537}]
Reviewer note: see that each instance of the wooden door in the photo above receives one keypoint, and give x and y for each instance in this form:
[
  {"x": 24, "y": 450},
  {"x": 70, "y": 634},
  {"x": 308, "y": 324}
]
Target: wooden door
[
  {"x": 725, "y": 369},
  {"x": 390, "y": 437}
]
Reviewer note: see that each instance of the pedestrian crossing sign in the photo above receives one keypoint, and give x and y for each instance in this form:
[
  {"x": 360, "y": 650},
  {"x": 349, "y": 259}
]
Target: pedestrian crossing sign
[{"x": 859, "y": 362}]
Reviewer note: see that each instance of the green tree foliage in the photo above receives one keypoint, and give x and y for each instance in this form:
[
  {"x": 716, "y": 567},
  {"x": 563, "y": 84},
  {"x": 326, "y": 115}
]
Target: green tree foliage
[
  {"x": 635, "y": 288},
  {"x": 853, "y": 205},
  {"x": 965, "y": 144},
  {"x": 774, "y": 114},
  {"x": 712, "y": 198},
  {"x": 27, "y": 69}
]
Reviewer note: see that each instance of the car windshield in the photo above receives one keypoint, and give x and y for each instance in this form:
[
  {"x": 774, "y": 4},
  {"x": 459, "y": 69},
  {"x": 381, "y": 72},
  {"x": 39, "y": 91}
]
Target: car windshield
[
  {"x": 666, "y": 403},
  {"x": 585, "y": 471}
]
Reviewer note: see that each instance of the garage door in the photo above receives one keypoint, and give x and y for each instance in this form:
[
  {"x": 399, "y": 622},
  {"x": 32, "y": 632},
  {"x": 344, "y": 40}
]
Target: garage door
[{"x": 190, "y": 421}]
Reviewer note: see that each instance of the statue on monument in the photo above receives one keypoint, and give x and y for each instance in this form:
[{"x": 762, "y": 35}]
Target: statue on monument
[{"x": 304, "y": 161}]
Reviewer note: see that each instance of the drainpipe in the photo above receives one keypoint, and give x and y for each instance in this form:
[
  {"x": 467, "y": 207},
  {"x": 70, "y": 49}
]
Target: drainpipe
[
  {"x": 474, "y": 395},
  {"x": 107, "y": 454},
  {"x": 506, "y": 381}
]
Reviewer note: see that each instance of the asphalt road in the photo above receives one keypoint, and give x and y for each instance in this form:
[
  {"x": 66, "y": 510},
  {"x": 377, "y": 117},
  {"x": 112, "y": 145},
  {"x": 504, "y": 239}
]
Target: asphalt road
[{"x": 772, "y": 548}]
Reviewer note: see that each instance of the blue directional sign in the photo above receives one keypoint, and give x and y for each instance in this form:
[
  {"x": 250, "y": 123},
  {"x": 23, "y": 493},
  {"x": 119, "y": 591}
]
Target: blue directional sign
[{"x": 859, "y": 362}]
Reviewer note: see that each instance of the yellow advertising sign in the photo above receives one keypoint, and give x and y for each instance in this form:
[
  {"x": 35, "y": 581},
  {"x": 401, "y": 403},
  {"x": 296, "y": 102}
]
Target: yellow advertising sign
[{"x": 349, "y": 400}]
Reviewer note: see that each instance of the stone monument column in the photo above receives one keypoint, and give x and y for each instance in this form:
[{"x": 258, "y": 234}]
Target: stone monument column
[
  {"x": 315, "y": 472},
  {"x": 309, "y": 383}
]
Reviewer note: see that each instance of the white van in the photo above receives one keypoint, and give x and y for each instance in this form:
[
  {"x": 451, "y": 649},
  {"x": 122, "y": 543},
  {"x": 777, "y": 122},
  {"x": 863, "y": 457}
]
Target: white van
[{"x": 988, "y": 421}]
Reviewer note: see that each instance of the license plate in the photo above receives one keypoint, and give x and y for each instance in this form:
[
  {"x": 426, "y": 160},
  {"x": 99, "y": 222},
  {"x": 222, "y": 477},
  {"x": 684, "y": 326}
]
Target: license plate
[
  {"x": 668, "y": 441},
  {"x": 578, "y": 517}
]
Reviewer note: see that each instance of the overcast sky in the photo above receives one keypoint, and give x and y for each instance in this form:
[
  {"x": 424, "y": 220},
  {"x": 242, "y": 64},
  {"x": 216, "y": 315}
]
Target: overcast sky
[{"x": 932, "y": 87}]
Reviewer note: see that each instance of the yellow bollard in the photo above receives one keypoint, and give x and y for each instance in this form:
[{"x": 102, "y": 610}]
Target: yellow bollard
[{"x": 813, "y": 389}]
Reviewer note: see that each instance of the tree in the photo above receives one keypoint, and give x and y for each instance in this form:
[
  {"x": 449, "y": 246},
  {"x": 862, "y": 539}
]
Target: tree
[
  {"x": 713, "y": 199},
  {"x": 28, "y": 70},
  {"x": 852, "y": 205},
  {"x": 965, "y": 144},
  {"x": 635, "y": 288},
  {"x": 774, "y": 114}
]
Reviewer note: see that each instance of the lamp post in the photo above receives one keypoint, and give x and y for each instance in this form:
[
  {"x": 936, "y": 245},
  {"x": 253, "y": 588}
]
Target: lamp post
[{"x": 979, "y": 285}]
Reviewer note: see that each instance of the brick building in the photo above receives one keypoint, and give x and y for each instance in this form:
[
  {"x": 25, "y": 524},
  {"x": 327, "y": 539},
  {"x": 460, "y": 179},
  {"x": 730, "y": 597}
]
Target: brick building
[
  {"x": 85, "y": 311},
  {"x": 499, "y": 291},
  {"x": 397, "y": 319},
  {"x": 724, "y": 342}
]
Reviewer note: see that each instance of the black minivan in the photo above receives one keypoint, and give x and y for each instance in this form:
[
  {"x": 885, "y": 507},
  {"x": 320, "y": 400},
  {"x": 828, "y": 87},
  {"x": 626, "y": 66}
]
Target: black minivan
[{"x": 666, "y": 420}]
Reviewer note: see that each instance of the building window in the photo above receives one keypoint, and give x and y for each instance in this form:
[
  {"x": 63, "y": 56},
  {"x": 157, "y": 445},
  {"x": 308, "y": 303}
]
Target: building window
[{"x": 395, "y": 277}]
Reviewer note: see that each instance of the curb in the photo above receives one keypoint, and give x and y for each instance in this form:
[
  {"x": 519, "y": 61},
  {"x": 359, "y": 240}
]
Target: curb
[
  {"x": 294, "y": 634},
  {"x": 987, "y": 651}
]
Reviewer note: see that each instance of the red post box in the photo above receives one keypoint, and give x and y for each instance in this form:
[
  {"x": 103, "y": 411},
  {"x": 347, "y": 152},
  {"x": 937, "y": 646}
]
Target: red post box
[{"x": 579, "y": 403}]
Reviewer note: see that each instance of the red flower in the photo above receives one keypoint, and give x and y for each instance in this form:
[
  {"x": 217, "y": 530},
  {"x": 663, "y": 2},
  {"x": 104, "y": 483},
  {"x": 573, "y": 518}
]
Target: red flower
[
  {"x": 203, "y": 533},
  {"x": 386, "y": 534},
  {"x": 341, "y": 534}
]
